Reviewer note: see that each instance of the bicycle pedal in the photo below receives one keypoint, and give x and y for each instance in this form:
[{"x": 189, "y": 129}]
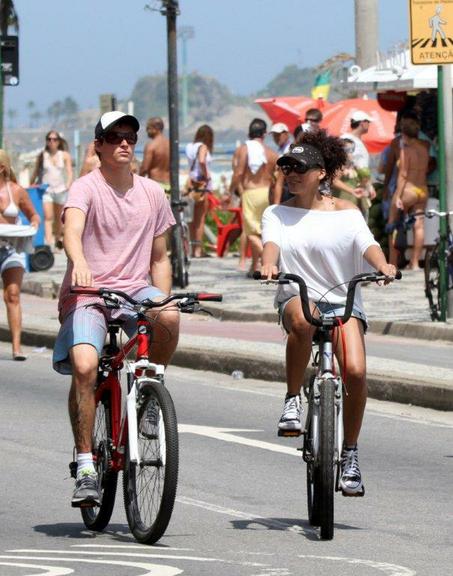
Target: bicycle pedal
[
  {"x": 355, "y": 495},
  {"x": 290, "y": 433}
]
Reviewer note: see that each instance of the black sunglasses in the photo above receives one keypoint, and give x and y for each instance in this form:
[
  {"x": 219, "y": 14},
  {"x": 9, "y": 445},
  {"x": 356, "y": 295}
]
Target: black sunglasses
[
  {"x": 297, "y": 168},
  {"x": 118, "y": 137},
  {"x": 313, "y": 120}
]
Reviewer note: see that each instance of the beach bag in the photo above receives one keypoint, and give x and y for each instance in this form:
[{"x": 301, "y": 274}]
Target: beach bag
[{"x": 195, "y": 189}]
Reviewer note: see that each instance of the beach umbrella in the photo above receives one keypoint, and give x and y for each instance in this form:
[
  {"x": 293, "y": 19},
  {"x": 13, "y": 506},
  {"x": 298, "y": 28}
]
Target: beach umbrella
[
  {"x": 290, "y": 109},
  {"x": 336, "y": 120}
]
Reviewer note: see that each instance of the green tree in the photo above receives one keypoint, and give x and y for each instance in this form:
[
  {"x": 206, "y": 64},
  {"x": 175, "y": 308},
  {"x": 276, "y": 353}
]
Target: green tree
[
  {"x": 55, "y": 112},
  {"x": 31, "y": 108},
  {"x": 8, "y": 17}
]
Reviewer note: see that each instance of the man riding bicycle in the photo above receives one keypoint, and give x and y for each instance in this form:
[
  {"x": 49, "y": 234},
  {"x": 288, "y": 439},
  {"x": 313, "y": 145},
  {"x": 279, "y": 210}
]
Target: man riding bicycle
[{"x": 114, "y": 237}]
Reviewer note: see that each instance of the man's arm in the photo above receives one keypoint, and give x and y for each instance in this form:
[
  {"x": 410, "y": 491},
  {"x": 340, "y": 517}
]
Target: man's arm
[
  {"x": 72, "y": 242},
  {"x": 147, "y": 160},
  {"x": 160, "y": 267},
  {"x": 239, "y": 169}
]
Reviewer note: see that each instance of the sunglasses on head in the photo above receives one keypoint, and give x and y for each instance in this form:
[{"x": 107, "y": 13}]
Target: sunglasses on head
[{"x": 117, "y": 137}]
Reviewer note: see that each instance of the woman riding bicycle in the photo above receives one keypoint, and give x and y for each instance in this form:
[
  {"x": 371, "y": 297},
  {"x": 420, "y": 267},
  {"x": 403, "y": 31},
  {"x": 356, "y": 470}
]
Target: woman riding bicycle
[{"x": 325, "y": 240}]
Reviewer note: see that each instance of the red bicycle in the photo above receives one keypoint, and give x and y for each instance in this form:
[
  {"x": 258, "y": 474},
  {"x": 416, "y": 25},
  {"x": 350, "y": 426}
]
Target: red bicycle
[{"x": 141, "y": 437}]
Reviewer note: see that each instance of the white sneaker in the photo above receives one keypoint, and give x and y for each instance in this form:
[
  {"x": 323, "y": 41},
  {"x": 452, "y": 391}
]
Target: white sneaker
[
  {"x": 292, "y": 410},
  {"x": 351, "y": 479}
]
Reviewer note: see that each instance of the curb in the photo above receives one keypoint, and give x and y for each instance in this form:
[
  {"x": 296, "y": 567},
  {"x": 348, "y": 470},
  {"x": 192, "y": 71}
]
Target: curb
[
  {"x": 405, "y": 391},
  {"x": 420, "y": 331}
]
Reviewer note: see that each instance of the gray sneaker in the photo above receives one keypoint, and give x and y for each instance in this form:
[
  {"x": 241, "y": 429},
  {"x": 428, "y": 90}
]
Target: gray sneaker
[
  {"x": 290, "y": 419},
  {"x": 351, "y": 479},
  {"x": 86, "y": 492}
]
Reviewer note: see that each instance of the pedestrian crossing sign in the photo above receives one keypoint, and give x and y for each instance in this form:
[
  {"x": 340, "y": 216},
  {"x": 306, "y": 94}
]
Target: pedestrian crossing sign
[{"x": 431, "y": 38}]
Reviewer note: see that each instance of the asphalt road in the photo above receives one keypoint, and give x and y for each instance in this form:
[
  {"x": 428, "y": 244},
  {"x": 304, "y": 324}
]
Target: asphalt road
[{"x": 241, "y": 507}]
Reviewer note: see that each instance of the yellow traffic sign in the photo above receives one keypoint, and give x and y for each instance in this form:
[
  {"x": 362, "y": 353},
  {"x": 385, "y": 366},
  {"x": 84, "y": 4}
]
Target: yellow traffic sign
[{"x": 431, "y": 39}]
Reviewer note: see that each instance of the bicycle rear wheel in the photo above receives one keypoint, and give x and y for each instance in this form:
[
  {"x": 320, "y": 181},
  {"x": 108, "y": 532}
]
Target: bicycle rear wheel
[
  {"x": 97, "y": 518},
  {"x": 432, "y": 281},
  {"x": 150, "y": 487},
  {"x": 180, "y": 257},
  {"x": 326, "y": 459}
]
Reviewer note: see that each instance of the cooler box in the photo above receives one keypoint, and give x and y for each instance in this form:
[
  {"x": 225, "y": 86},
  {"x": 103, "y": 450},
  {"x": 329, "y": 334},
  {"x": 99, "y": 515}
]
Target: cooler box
[{"x": 42, "y": 258}]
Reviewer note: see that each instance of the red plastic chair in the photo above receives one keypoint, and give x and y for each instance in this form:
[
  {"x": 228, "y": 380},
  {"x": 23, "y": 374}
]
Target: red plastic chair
[{"x": 228, "y": 232}]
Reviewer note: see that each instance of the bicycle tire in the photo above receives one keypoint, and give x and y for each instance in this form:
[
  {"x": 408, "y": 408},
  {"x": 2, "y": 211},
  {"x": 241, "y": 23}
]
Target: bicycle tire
[
  {"x": 180, "y": 258},
  {"x": 149, "y": 494},
  {"x": 97, "y": 518},
  {"x": 326, "y": 459},
  {"x": 313, "y": 480},
  {"x": 432, "y": 282}
]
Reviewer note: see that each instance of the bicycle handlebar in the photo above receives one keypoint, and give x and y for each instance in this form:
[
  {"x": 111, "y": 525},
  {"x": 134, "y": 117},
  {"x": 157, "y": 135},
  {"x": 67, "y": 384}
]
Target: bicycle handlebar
[
  {"x": 189, "y": 297},
  {"x": 364, "y": 277}
]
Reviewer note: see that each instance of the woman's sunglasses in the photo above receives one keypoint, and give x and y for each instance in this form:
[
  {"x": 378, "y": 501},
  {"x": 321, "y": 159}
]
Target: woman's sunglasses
[
  {"x": 118, "y": 137},
  {"x": 52, "y": 139},
  {"x": 297, "y": 168}
]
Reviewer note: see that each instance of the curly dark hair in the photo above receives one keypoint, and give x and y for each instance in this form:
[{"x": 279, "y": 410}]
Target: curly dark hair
[{"x": 331, "y": 148}]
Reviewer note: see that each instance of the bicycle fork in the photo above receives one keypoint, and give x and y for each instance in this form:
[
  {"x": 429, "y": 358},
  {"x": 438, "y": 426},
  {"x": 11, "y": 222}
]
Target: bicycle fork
[{"x": 135, "y": 397}]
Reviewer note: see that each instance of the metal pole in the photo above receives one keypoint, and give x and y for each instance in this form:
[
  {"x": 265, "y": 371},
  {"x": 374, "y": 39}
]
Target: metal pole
[
  {"x": 366, "y": 32},
  {"x": 448, "y": 123},
  {"x": 442, "y": 193},
  {"x": 2, "y": 94},
  {"x": 172, "y": 9}
]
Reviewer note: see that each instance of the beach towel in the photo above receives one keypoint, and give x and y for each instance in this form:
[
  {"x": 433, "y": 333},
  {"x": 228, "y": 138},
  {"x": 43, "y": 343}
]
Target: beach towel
[{"x": 256, "y": 155}]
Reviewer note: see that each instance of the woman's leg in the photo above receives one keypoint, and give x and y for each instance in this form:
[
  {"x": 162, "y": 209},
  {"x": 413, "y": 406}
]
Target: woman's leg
[
  {"x": 393, "y": 217},
  {"x": 58, "y": 209},
  {"x": 298, "y": 345},
  {"x": 256, "y": 246},
  {"x": 419, "y": 236},
  {"x": 197, "y": 226},
  {"x": 12, "y": 282},
  {"x": 48, "y": 208},
  {"x": 355, "y": 385}
]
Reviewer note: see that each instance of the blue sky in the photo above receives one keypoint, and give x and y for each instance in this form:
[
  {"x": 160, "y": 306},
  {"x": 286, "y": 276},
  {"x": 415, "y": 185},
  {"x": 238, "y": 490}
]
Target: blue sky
[{"x": 86, "y": 47}]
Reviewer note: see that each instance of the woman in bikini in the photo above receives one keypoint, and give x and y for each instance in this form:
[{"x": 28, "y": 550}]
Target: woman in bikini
[
  {"x": 411, "y": 193},
  {"x": 13, "y": 198}
]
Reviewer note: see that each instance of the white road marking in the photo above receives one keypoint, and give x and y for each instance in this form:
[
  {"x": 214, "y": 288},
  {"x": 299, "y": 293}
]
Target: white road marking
[
  {"x": 225, "y": 435},
  {"x": 253, "y": 518},
  {"x": 132, "y": 547},
  {"x": 151, "y": 569},
  {"x": 389, "y": 569},
  {"x": 49, "y": 570},
  {"x": 129, "y": 554}
]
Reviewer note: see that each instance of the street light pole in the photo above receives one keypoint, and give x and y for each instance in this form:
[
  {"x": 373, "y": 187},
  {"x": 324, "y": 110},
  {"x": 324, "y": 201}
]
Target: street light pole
[{"x": 171, "y": 10}]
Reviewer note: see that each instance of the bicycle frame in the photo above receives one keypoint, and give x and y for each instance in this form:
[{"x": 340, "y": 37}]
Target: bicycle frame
[{"x": 125, "y": 430}]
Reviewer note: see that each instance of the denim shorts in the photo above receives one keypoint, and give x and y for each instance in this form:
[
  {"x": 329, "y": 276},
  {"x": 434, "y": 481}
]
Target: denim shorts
[
  {"x": 327, "y": 310},
  {"x": 88, "y": 326},
  {"x": 9, "y": 258}
]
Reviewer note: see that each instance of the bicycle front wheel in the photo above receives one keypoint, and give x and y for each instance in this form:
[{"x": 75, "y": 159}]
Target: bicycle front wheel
[
  {"x": 432, "y": 281},
  {"x": 150, "y": 486},
  {"x": 326, "y": 462},
  {"x": 97, "y": 518}
]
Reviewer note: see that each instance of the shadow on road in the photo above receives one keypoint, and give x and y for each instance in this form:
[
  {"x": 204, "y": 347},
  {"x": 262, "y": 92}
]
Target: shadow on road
[
  {"x": 285, "y": 524},
  {"x": 118, "y": 532}
]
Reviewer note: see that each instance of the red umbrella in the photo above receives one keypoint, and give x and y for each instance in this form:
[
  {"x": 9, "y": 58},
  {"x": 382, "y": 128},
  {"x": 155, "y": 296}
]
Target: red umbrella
[
  {"x": 290, "y": 109},
  {"x": 337, "y": 121}
]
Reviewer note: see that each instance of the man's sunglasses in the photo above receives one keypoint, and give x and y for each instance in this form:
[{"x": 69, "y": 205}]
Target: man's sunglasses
[{"x": 118, "y": 137}]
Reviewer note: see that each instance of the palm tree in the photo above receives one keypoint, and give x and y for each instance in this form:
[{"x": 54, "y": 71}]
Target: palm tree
[{"x": 8, "y": 17}]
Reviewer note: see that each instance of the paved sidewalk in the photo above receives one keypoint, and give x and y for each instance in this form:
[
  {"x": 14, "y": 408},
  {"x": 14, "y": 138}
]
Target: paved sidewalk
[{"x": 248, "y": 338}]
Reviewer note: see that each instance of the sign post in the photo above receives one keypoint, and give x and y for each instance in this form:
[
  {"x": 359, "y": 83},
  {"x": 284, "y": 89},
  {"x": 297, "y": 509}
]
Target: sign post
[{"x": 431, "y": 42}]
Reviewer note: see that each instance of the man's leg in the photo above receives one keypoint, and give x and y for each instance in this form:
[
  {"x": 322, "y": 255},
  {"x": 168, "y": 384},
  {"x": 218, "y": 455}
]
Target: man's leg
[
  {"x": 82, "y": 411},
  {"x": 165, "y": 334}
]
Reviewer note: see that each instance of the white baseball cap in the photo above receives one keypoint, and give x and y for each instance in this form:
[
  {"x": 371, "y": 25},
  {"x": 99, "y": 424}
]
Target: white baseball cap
[
  {"x": 279, "y": 127},
  {"x": 109, "y": 119},
  {"x": 360, "y": 116}
]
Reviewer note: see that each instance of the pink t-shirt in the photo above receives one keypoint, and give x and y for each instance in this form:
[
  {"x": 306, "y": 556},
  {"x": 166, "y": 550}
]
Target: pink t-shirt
[{"x": 118, "y": 235}]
